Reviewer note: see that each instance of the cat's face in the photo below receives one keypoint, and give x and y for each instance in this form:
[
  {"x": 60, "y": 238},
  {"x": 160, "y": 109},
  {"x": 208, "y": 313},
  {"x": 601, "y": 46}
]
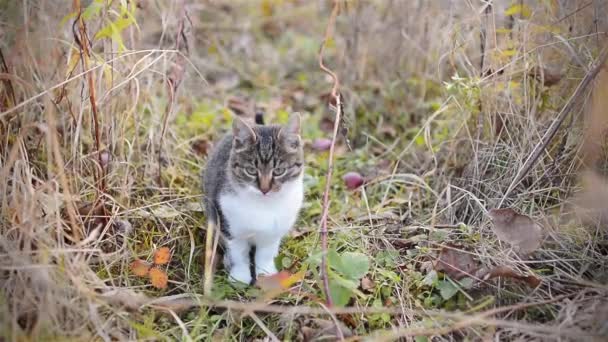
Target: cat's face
[{"x": 264, "y": 158}]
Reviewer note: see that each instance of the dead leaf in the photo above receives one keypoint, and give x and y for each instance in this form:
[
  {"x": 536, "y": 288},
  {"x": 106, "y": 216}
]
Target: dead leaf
[
  {"x": 175, "y": 76},
  {"x": 520, "y": 231},
  {"x": 128, "y": 299},
  {"x": 200, "y": 147},
  {"x": 158, "y": 278},
  {"x": 272, "y": 29},
  {"x": 162, "y": 256},
  {"x": 387, "y": 130},
  {"x": 279, "y": 281},
  {"x": 547, "y": 76},
  {"x": 455, "y": 262},
  {"x": 140, "y": 268},
  {"x": 505, "y": 271},
  {"x": 367, "y": 284}
]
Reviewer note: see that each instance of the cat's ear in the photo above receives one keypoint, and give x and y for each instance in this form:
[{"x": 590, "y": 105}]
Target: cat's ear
[
  {"x": 243, "y": 134},
  {"x": 290, "y": 133}
]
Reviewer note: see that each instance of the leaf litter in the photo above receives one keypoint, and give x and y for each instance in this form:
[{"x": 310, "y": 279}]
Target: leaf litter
[{"x": 520, "y": 231}]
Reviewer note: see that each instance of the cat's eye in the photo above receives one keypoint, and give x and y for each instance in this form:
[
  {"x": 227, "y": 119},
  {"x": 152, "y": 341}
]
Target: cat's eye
[
  {"x": 252, "y": 171},
  {"x": 278, "y": 171}
]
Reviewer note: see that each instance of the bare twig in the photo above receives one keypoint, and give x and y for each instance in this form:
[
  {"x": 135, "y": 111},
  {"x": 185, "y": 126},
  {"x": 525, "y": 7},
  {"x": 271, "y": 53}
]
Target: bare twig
[
  {"x": 325, "y": 211},
  {"x": 548, "y": 136},
  {"x": 82, "y": 40},
  {"x": 182, "y": 302}
]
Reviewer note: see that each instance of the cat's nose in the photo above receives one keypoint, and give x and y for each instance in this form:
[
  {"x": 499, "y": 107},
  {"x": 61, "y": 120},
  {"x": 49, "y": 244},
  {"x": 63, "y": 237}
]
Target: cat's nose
[{"x": 265, "y": 184}]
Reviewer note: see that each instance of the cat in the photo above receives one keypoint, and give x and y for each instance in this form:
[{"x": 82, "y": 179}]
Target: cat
[{"x": 253, "y": 185}]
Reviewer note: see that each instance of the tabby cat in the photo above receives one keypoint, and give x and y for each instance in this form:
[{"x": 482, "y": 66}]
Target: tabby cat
[{"x": 254, "y": 191}]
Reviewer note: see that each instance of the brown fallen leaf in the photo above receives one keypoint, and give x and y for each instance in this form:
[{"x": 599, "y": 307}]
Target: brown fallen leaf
[
  {"x": 162, "y": 256},
  {"x": 126, "y": 298},
  {"x": 279, "y": 281},
  {"x": 200, "y": 147},
  {"x": 505, "y": 271},
  {"x": 274, "y": 285},
  {"x": 367, "y": 284},
  {"x": 158, "y": 278},
  {"x": 455, "y": 263},
  {"x": 140, "y": 268},
  {"x": 547, "y": 76},
  {"x": 520, "y": 231}
]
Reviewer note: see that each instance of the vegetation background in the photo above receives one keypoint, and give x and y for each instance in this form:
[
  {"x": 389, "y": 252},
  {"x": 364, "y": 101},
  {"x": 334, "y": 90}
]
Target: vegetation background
[{"x": 108, "y": 109}]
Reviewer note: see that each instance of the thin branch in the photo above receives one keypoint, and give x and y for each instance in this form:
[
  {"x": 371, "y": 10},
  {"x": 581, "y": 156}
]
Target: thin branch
[
  {"x": 325, "y": 211},
  {"x": 82, "y": 40}
]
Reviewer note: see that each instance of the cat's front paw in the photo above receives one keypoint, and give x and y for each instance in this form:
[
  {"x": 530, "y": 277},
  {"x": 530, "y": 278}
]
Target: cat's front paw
[
  {"x": 240, "y": 274},
  {"x": 266, "y": 268}
]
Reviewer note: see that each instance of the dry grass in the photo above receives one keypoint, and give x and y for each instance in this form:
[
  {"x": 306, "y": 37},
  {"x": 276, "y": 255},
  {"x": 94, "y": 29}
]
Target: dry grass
[{"x": 444, "y": 101}]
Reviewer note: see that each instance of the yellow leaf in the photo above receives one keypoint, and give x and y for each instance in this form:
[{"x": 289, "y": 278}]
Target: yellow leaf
[
  {"x": 508, "y": 52},
  {"x": 524, "y": 10},
  {"x": 73, "y": 61},
  {"x": 158, "y": 278},
  {"x": 162, "y": 256},
  {"x": 280, "y": 281},
  {"x": 140, "y": 268}
]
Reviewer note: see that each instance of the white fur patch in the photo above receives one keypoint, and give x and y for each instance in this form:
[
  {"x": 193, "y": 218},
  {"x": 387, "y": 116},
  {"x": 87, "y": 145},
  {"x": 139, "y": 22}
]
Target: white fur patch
[{"x": 259, "y": 218}]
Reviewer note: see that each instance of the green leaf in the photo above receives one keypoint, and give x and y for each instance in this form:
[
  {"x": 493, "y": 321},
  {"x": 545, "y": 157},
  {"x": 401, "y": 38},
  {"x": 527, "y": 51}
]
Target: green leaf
[
  {"x": 113, "y": 29},
  {"x": 340, "y": 296},
  {"x": 354, "y": 265},
  {"x": 421, "y": 339},
  {"x": 67, "y": 17},
  {"x": 334, "y": 260},
  {"x": 346, "y": 283},
  {"x": 447, "y": 290},
  {"x": 93, "y": 9},
  {"x": 467, "y": 283},
  {"x": 430, "y": 279}
]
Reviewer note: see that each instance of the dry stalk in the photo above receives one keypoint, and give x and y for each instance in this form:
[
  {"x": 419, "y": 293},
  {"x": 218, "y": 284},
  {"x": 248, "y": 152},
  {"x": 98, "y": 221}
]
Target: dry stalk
[
  {"x": 325, "y": 207},
  {"x": 82, "y": 40},
  {"x": 174, "y": 79}
]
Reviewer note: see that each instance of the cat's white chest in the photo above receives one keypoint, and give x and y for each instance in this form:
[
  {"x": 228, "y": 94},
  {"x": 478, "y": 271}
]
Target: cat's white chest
[{"x": 257, "y": 217}]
